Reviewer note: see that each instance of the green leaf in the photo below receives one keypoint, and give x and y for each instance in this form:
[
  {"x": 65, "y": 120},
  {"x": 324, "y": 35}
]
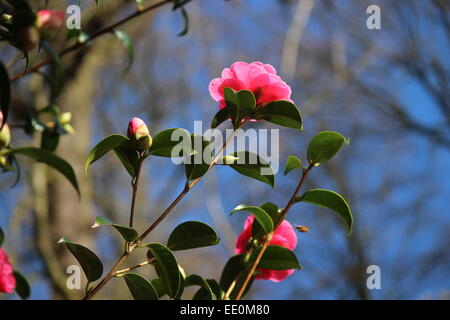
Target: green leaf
[
  {"x": 331, "y": 200},
  {"x": 2, "y": 237},
  {"x": 128, "y": 44},
  {"x": 58, "y": 78},
  {"x": 196, "y": 280},
  {"x": 250, "y": 165},
  {"x": 273, "y": 211},
  {"x": 178, "y": 4},
  {"x": 140, "y": 288},
  {"x": 221, "y": 116},
  {"x": 5, "y": 93},
  {"x": 185, "y": 21},
  {"x": 90, "y": 263},
  {"x": 166, "y": 266},
  {"x": 49, "y": 140},
  {"x": 104, "y": 146},
  {"x": 324, "y": 146},
  {"x": 283, "y": 113},
  {"x": 203, "y": 151},
  {"x": 129, "y": 234},
  {"x": 261, "y": 216},
  {"x": 192, "y": 234},
  {"x": 233, "y": 270},
  {"x": 240, "y": 104},
  {"x": 165, "y": 142},
  {"x": 159, "y": 286},
  {"x": 22, "y": 286},
  {"x": 292, "y": 163},
  {"x": 129, "y": 157},
  {"x": 278, "y": 258},
  {"x": 50, "y": 159}
]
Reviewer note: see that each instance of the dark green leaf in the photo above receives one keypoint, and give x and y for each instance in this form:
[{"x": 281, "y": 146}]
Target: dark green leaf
[
  {"x": 261, "y": 216},
  {"x": 250, "y": 165},
  {"x": 240, "y": 104},
  {"x": 165, "y": 142},
  {"x": 221, "y": 116},
  {"x": 331, "y": 200},
  {"x": 234, "y": 270},
  {"x": 50, "y": 159},
  {"x": 128, "y": 155},
  {"x": 292, "y": 163},
  {"x": 166, "y": 266},
  {"x": 129, "y": 234},
  {"x": 128, "y": 44},
  {"x": 283, "y": 113},
  {"x": 49, "y": 140},
  {"x": 2, "y": 237},
  {"x": 278, "y": 258},
  {"x": 324, "y": 146},
  {"x": 140, "y": 288},
  {"x": 273, "y": 211},
  {"x": 185, "y": 21},
  {"x": 196, "y": 280},
  {"x": 5, "y": 93},
  {"x": 192, "y": 234},
  {"x": 104, "y": 146},
  {"x": 22, "y": 286},
  {"x": 201, "y": 160},
  {"x": 178, "y": 4},
  {"x": 159, "y": 286},
  {"x": 90, "y": 263}
]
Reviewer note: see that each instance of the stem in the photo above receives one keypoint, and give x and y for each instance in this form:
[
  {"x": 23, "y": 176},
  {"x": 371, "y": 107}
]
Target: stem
[
  {"x": 134, "y": 267},
  {"x": 269, "y": 236},
  {"x": 135, "y": 184},
  {"x": 92, "y": 37}
]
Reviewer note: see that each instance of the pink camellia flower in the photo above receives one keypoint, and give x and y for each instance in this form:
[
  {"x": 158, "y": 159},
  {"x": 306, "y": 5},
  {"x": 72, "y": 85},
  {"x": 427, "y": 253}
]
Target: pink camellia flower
[
  {"x": 49, "y": 22},
  {"x": 259, "y": 78},
  {"x": 138, "y": 133},
  {"x": 7, "y": 280},
  {"x": 284, "y": 236}
]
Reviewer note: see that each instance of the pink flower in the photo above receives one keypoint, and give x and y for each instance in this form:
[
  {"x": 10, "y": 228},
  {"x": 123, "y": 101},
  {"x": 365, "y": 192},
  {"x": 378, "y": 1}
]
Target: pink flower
[
  {"x": 284, "y": 236},
  {"x": 138, "y": 132},
  {"x": 7, "y": 280},
  {"x": 49, "y": 22},
  {"x": 259, "y": 78}
]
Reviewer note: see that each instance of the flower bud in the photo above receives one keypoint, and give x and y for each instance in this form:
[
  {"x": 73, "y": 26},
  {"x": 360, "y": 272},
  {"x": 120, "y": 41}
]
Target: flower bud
[
  {"x": 49, "y": 22},
  {"x": 5, "y": 136},
  {"x": 139, "y": 134}
]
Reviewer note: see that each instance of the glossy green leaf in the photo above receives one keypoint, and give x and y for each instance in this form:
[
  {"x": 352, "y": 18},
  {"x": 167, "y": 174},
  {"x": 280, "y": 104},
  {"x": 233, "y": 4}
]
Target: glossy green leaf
[
  {"x": 22, "y": 286},
  {"x": 128, "y": 44},
  {"x": 201, "y": 160},
  {"x": 324, "y": 146},
  {"x": 250, "y": 165},
  {"x": 103, "y": 147},
  {"x": 90, "y": 263},
  {"x": 165, "y": 142},
  {"x": 240, "y": 104},
  {"x": 159, "y": 286},
  {"x": 129, "y": 234},
  {"x": 5, "y": 93},
  {"x": 232, "y": 270},
  {"x": 278, "y": 258},
  {"x": 196, "y": 280},
  {"x": 50, "y": 159},
  {"x": 283, "y": 113},
  {"x": 140, "y": 288},
  {"x": 331, "y": 200},
  {"x": 192, "y": 234},
  {"x": 273, "y": 211},
  {"x": 261, "y": 216},
  {"x": 129, "y": 157},
  {"x": 292, "y": 163},
  {"x": 221, "y": 116},
  {"x": 166, "y": 266}
]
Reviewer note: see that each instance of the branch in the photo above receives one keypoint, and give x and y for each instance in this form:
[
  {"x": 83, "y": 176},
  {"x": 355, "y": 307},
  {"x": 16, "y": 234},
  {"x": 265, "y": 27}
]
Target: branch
[{"x": 92, "y": 37}]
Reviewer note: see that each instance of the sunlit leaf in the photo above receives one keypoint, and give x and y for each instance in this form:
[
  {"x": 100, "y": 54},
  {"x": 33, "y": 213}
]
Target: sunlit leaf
[
  {"x": 129, "y": 234},
  {"x": 140, "y": 288},
  {"x": 324, "y": 146},
  {"x": 261, "y": 216},
  {"x": 192, "y": 234},
  {"x": 104, "y": 146}
]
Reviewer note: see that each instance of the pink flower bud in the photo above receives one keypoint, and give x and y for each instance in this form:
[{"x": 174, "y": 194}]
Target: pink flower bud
[
  {"x": 7, "y": 280},
  {"x": 49, "y": 22},
  {"x": 259, "y": 78},
  {"x": 283, "y": 236},
  {"x": 5, "y": 136},
  {"x": 138, "y": 133}
]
